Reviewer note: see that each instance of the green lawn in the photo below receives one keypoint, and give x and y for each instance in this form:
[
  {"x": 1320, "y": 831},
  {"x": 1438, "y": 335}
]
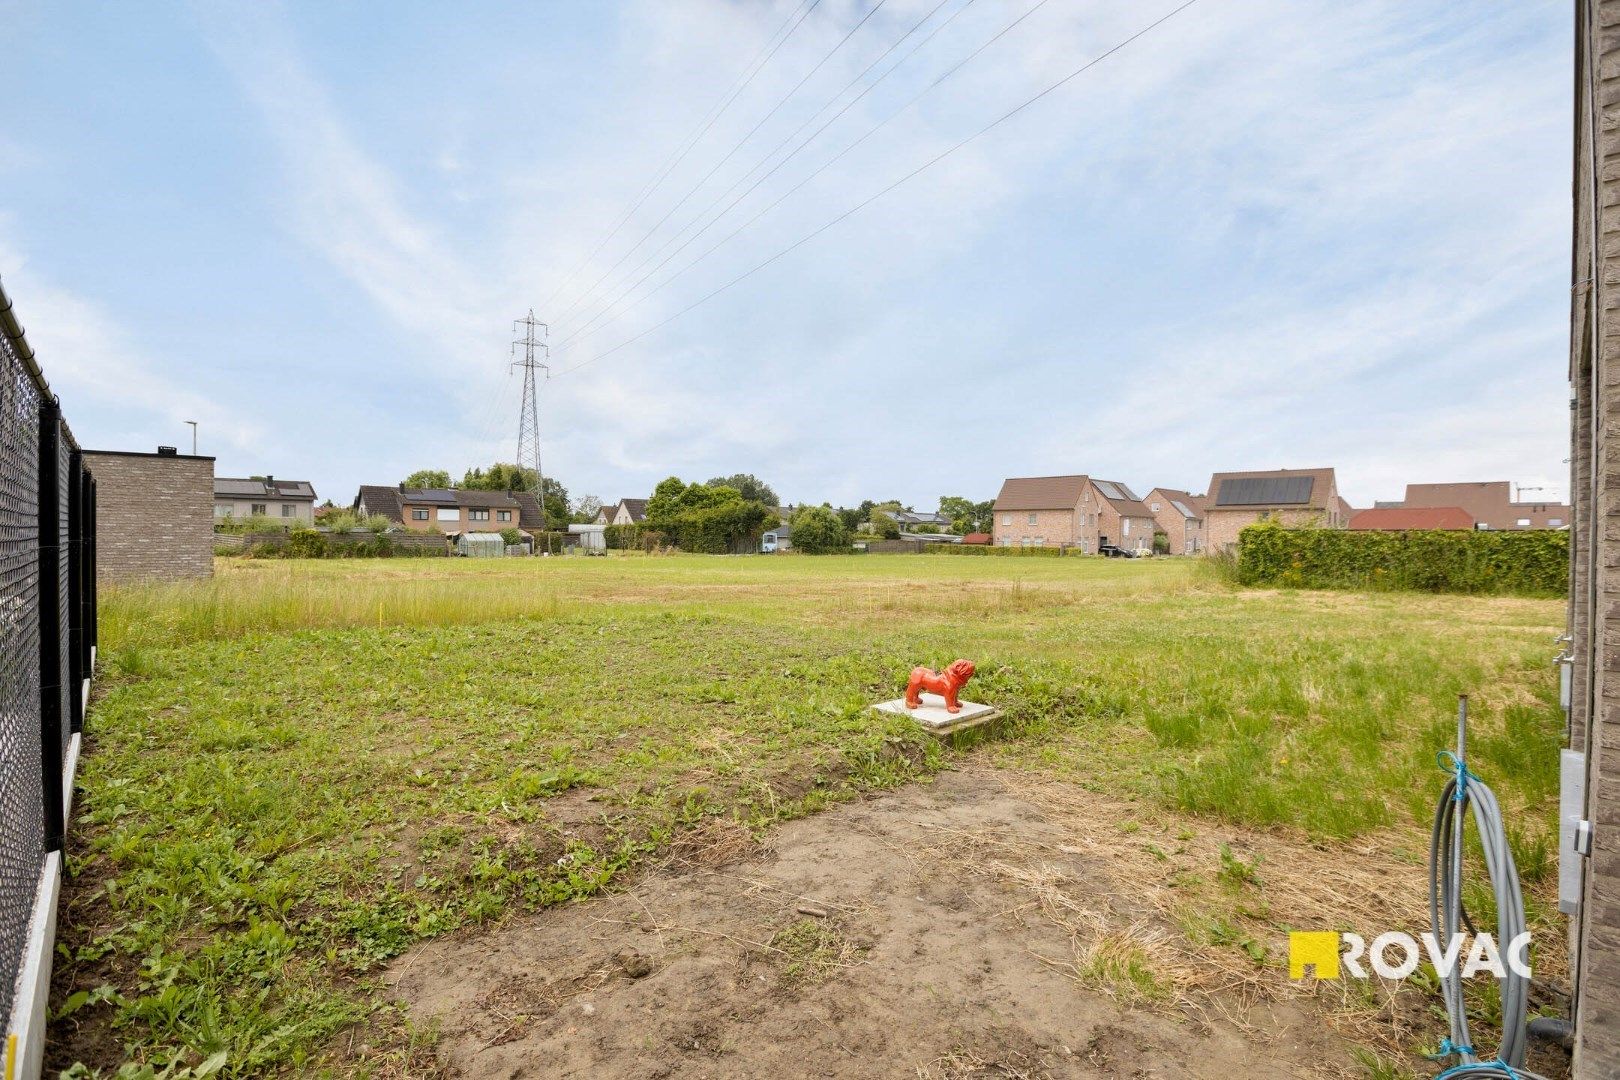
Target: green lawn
[{"x": 299, "y": 769}]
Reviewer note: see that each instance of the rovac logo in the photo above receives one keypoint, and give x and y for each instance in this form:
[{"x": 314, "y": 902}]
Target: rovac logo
[{"x": 1395, "y": 955}]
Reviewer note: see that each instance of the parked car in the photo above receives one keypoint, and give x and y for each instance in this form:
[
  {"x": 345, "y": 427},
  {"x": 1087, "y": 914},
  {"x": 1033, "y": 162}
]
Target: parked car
[{"x": 1114, "y": 552}]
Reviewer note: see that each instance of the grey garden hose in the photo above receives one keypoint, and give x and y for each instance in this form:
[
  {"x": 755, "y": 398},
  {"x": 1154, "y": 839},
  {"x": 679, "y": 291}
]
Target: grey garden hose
[{"x": 1446, "y": 915}]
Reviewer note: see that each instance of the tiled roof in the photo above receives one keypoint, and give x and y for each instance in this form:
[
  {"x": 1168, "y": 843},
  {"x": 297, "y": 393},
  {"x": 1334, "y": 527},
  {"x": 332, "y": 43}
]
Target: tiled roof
[
  {"x": 1188, "y": 506},
  {"x": 1270, "y": 492},
  {"x": 1395, "y": 519},
  {"x": 1122, "y": 499},
  {"x": 1041, "y": 492},
  {"x": 375, "y": 499}
]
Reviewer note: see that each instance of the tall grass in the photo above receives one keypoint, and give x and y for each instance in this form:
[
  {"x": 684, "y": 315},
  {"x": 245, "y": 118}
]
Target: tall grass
[{"x": 269, "y": 598}]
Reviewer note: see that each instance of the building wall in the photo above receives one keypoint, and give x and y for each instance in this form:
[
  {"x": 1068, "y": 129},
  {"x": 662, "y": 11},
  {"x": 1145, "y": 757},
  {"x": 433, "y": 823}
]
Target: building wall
[
  {"x": 303, "y": 509},
  {"x": 461, "y": 523},
  {"x": 1112, "y": 529},
  {"x": 1186, "y": 536},
  {"x": 1051, "y": 527},
  {"x": 1491, "y": 504},
  {"x": 1221, "y": 527},
  {"x": 154, "y": 516},
  {"x": 1595, "y": 620}
]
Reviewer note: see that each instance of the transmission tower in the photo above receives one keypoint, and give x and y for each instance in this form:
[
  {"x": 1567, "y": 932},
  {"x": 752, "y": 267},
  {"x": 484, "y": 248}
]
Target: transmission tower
[{"x": 528, "y": 446}]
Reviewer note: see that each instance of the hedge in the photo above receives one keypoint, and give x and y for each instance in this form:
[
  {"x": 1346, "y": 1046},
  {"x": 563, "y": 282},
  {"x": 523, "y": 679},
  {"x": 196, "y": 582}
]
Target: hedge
[
  {"x": 1534, "y": 563},
  {"x": 987, "y": 549},
  {"x": 637, "y": 537},
  {"x": 310, "y": 544}
]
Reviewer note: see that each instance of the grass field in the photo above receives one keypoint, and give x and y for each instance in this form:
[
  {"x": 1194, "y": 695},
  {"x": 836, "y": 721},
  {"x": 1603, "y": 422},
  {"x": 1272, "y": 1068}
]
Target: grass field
[{"x": 298, "y": 770}]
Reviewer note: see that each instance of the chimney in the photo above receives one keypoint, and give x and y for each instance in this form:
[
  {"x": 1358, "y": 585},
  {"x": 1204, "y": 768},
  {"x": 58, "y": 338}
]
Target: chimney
[{"x": 168, "y": 451}]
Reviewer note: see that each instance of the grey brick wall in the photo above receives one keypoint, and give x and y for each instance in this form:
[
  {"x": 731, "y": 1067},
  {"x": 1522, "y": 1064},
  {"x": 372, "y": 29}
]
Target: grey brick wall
[
  {"x": 1595, "y": 481},
  {"x": 154, "y": 516}
]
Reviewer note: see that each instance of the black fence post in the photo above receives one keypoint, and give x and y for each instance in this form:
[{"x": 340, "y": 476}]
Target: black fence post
[
  {"x": 75, "y": 572},
  {"x": 92, "y": 628},
  {"x": 50, "y": 625}
]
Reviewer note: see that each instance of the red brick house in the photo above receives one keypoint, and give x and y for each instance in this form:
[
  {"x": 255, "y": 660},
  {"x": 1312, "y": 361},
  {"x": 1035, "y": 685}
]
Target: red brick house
[
  {"x": 451, "y": 510},
  {"x": 1180, "y": 517},
  {"x": 1491, "y": 504},
  {"x": 1074, "y": 510},
  {"x": 1294, "y": 497}
]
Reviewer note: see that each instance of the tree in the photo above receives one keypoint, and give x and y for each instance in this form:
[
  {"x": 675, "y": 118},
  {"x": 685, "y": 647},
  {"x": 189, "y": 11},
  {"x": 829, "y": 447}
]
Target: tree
[
  {"x": 882, "y": 517},
  {"x": 427, "y": 478},
  {"x": 557, "y": 516},
  {"x": 703, "y": 517},
  {"x": 500, "y": 476},
  {"x": 749, "y": 487},
  {"x": 586, "y": 507},
  {"x": 966, "y": 515},
  {"x": 851, "y": 517},
  {"x": 818, "y": 530}
]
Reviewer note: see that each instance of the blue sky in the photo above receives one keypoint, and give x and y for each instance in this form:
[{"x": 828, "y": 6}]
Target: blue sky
[{"x": 1269, "y": 233}]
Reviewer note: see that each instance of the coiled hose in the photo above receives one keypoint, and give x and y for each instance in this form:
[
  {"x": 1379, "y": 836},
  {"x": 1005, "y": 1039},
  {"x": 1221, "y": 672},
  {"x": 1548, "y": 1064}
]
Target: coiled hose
[{"x": 1447, "y": 916}]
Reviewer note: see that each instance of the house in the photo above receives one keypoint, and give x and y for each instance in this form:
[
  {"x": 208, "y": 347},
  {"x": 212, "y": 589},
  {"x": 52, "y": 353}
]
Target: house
[
  {"x": 1071, "y": 511},
  {"x": 264, "y": 496},
  {"x": 1491, "y": 503},
  {"x": 778, "y": 539},
  {"x": 1400, "y": 518},
  {"x": 1180, "y": 517},
  {"x": 154, "y": 515},
  {"x": 1288, "y": 496},
  {"x": 624, "y": 512},
  {"x": 451, "y": 510}
]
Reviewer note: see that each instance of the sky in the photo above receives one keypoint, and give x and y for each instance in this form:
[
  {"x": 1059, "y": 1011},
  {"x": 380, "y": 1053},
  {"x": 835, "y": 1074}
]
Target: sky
[{"x": 1261, "y": 234}]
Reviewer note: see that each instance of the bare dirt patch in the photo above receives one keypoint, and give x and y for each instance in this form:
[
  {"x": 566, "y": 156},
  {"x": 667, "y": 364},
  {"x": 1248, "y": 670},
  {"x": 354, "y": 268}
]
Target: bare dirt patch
[{"x": 963, "y": 928}]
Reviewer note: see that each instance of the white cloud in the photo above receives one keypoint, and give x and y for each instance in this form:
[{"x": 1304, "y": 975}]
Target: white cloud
[{"x": 88, "y": 357}]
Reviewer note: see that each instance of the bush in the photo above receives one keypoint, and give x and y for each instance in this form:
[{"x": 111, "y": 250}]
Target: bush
[
  {"x": 1014, "y": 552},
  {"x": 706, "y": 520},
  {"x": 1534, "y": 563},
  {"x": 818, "y": 530}
]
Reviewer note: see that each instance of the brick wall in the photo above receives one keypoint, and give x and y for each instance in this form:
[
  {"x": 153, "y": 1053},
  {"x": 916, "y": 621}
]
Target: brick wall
[
  {"x": 1221, "y": 527},
  {"x": 154, "y": 516},
  {"x": 1595, "y": 479},
  {"x": 1051, "y": 527}
]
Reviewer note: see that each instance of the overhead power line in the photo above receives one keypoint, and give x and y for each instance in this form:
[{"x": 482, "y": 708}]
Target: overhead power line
[
  {"x": 778, "y": 147},
  {"x": 695, "y": 188},
  {"x": 823, "y": 167},
  {"x": 869, "y": 200},
  {"x": 763, "y": 57}
]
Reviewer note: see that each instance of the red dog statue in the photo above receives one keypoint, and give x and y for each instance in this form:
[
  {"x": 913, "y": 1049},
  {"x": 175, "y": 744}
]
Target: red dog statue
[{"x": 946, "y": 684}]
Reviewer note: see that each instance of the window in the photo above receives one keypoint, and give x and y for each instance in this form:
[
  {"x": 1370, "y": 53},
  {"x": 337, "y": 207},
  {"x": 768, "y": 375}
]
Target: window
[
  {"x": 222, "y": 510},
  {"x": 1033, "y": 518},
  {"x": 419, "y": 513},
  {"x": 503, "y": 515},
  {"x": 288, "y": 510},
  {"x": 449, "y": 513},
  {"x": 1154, "y": 507},
  {"x": 1523, "y": 523},
  {"x": 1006, "y": 519},
  {"x": 1555, "y": 523},
  {"x": 477, "y": 515},
  {"x": 1125, "y": 526},
  {"x": 258, "y": 508}
]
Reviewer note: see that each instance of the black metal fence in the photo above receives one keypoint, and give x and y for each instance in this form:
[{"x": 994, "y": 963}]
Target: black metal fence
[{"x": 47, "y": 636}]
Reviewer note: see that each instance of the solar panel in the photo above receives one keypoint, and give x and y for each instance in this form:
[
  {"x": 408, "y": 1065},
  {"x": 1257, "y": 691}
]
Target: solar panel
[
  {"x": 1185, "y": 510},
  {"x": 1110, "y": 491},
  {"x": 1265, "y": 491},
  {"x": 1129, "y": 494}
]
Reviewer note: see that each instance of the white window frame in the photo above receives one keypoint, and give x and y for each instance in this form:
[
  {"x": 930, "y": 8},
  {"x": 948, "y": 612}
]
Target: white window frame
[
  {"x": 448, "y": 513},
  {"x": 1034, "y": 518}
]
